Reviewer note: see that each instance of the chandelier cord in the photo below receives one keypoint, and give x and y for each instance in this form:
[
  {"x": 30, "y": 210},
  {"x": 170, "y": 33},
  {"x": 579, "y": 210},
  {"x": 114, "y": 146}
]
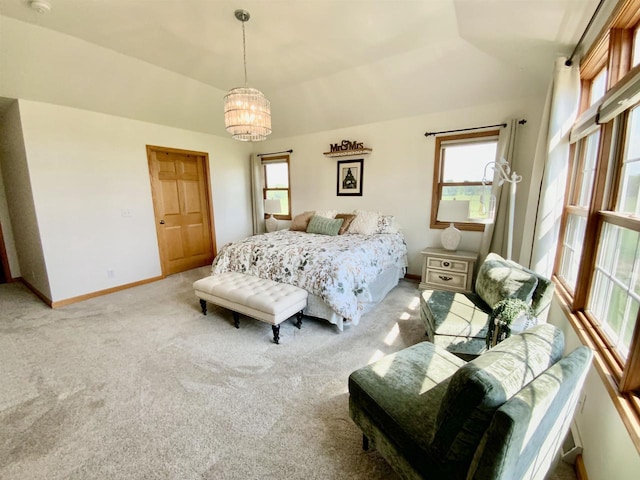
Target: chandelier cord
[{"x": 244, "y": 54}]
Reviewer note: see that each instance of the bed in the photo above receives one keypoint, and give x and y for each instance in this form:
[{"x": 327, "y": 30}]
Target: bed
[{"x": 345, "y": 275}]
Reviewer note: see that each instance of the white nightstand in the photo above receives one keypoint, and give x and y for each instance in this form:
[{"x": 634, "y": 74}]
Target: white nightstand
[{"x": 448, "y": 270}]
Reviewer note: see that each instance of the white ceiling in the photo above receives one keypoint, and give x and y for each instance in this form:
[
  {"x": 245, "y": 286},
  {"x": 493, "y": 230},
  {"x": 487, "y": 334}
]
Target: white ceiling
[{"x": 328, "y": 64}]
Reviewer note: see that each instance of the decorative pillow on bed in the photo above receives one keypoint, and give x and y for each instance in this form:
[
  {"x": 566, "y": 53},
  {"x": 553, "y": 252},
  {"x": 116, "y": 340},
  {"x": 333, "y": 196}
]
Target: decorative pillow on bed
[
  {"x": 324, "y": 226},
  {"x": 365, "y": 223},
  {"x": 327, "y": 213},
  {"x": 301, "y": 221},
  {"x": 348, "y": 218},
  {"x": 386, "y": 224},
  {"x": 498, "y": 280}
]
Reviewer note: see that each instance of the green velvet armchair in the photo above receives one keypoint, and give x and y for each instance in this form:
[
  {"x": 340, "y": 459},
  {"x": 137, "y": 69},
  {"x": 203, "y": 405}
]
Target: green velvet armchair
[
  {"x": 501, "y": 416},
  {"x": 458, "y": 322}
]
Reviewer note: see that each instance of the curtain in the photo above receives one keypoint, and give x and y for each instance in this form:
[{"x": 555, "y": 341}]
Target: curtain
[
  {"x": 552, "y": 153},
  {"x": 257, "y": 200},
  {"x": 494, "y": 238}
]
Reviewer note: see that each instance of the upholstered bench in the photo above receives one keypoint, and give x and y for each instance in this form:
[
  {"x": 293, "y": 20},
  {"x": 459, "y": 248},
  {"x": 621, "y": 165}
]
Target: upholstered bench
[{"x": 265, "y": 300}]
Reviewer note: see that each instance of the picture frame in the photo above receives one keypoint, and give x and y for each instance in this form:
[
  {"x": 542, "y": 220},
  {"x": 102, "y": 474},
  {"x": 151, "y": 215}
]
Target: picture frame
[{"x": 350, "y": 178}]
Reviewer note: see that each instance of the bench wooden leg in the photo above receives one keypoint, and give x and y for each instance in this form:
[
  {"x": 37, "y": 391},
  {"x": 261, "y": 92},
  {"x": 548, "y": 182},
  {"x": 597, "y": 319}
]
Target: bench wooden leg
[
  {"x": 203, "y": 306},
  {"x": 276, "y": 333},
  {"x": 299, "y": 318},
  {"x": 236, "y": 319}
]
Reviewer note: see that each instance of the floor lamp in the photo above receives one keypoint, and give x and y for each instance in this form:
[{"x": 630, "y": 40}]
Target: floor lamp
[{"x": 504, "y": 173}]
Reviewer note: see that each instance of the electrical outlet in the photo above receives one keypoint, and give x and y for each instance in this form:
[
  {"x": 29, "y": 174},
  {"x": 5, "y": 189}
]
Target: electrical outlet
[{"x": 581, "y": 402}]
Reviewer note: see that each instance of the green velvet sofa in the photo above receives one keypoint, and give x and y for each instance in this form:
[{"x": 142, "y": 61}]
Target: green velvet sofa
[
  {"x": 503, "y": 415},
  {"x": 457, "y": 322}
]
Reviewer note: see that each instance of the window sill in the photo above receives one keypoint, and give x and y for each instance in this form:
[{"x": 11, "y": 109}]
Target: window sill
[
  {"x": 463, "y": 227},
  {"x": 627, "y": 404}
]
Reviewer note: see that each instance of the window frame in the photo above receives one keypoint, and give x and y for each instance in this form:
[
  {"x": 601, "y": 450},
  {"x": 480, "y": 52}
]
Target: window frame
[
  {"x": 277, "y": 159},
  {"x": 438, "y": 183},
  {"x": 613, "y": 50}
]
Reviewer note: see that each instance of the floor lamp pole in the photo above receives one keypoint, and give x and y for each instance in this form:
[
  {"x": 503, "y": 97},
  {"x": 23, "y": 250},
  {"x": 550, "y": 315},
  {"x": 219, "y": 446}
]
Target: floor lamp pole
[
  {"x": 512, "y": 213},
  {"x": 504, "y": 174}
]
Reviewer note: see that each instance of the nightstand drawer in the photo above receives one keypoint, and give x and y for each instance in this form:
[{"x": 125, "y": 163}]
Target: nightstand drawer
[
  {"x": 448, "y": 279},
  {"x": 448, "y": 264}
]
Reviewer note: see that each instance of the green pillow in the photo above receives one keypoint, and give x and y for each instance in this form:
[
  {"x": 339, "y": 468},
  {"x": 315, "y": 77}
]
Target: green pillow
[
  {"x": 498, "y": 279},
  {"x": 324, "y": 225}
]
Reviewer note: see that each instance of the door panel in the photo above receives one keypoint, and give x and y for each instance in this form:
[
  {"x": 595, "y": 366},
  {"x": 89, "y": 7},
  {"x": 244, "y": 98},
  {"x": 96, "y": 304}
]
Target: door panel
[{"x": 182, "y": 207}]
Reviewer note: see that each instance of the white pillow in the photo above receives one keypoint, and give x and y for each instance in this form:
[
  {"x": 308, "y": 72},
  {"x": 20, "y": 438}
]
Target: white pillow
[
  {"x": 327, "y": 213},
  {"x": 365, "y": 223}
]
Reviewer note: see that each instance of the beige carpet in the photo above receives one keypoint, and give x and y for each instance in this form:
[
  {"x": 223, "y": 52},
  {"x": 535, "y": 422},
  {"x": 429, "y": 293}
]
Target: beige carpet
[{"x": 139, "y": 384}]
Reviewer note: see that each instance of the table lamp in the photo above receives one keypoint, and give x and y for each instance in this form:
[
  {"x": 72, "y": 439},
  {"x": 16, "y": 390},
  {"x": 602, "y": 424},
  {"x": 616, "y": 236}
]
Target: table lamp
[
  {"x": 271, "y": 206},
  {"x": 453, "y": 211}
]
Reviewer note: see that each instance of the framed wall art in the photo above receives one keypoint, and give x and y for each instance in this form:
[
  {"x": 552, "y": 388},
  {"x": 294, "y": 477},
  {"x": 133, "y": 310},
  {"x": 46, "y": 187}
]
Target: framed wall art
[{"x": 350, "y": 178}]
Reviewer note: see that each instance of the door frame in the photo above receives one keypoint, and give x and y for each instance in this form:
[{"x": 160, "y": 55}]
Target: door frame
[
  {"x": 4, "y": 259},
  {"x": 208, "y": 195}
]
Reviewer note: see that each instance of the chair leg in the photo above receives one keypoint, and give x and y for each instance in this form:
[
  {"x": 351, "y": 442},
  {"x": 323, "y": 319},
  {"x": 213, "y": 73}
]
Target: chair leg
[
  {"x": 203, "y": 306},
  {"x": 276, "y": 333},
  {"x": 365, "y": 442}
]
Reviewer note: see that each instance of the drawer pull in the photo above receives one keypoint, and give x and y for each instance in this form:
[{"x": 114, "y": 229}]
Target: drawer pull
[
  {"x": 444, "y": 278},
  {"x": 446, "y": 264}
]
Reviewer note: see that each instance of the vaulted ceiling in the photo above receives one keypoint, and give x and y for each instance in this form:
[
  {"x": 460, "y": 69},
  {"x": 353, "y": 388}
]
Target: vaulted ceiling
[{"x": 328, "y": 64}]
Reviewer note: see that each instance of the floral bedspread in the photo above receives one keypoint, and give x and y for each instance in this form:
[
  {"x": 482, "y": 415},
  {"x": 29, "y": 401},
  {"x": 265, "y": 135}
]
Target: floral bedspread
[{"x": 338, "y": 269}]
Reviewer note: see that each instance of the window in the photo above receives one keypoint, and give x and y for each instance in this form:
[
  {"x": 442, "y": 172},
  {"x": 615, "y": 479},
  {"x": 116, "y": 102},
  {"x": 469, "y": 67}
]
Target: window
[
  {"x": 277, "y": 184},
  {"x": 598, "y": 262},
  {"x": 577, "y": 209},
  {"x": 598, "y": 86},
  {"x": 459, "y": 171},
  {"x": 635, "y": 58}
]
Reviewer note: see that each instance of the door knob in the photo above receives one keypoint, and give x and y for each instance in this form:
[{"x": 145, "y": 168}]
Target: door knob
[{"x": 161, "y": 222}]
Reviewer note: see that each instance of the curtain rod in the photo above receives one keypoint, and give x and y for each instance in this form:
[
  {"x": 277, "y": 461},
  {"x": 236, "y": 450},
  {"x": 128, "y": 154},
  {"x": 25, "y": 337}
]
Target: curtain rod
[
  {"x": 273, "y": 153},
  {"x": 569, "y": 61},
  {"x": 428, "y": 134}
]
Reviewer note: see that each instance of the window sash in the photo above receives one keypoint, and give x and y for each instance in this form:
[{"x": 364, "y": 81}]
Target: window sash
[
  {"x": 278, "y": 192},
  {"x": 474, "y": 189}
]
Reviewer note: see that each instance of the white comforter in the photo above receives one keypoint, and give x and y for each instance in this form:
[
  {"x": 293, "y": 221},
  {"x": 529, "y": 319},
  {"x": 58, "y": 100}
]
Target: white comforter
[{"x": 338, "y": 269}]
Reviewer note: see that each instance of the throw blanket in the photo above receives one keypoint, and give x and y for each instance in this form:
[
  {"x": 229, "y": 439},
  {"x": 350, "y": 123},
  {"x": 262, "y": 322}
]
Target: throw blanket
[{"x": 338, "y": 269}]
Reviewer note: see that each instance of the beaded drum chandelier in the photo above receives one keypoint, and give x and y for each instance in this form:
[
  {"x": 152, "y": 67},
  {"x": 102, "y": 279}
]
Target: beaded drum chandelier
[{"x": 247, "y": 112}]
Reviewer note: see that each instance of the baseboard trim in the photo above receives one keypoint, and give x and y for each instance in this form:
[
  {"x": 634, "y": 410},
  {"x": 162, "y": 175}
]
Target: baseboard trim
[
  {"x": 35, "y": 291},
  {"x": 100, "y": 293},
  {"x": 580, "y": 469}
]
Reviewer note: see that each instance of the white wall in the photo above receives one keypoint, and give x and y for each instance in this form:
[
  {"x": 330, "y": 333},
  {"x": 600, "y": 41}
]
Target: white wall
[
  {"x": 20, "y": 225},
  {"x": 397, "y": 175},
  {"x": 7, "y": 138},
  {"x": 608, "y": 452},
  {"x": 86, "y": 167}
]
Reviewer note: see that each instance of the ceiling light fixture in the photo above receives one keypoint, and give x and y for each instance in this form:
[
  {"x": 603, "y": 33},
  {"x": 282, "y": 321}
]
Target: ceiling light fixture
[
  {"x": 40, "y": 6},
  {"x": 247, "y": 112}
]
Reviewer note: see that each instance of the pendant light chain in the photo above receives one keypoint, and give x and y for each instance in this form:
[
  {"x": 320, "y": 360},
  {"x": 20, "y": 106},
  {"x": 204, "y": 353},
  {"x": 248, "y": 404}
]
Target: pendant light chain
[{"x": 244, "y": 55}]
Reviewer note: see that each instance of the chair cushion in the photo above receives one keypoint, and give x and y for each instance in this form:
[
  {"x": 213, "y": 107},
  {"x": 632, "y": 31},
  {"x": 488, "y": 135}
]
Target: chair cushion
[
  {"x": 454, "y": 321},
  {"x": 483, "y": 385},
  {"x": 400, "y": 388},
  {"x": 498, "y": 279}
]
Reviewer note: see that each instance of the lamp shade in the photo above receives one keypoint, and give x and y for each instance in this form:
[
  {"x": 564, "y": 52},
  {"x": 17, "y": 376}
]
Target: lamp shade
[
  {"x": 247, "y": 114},
  {"x": 272, "y": 206},
  {"x": 454, "y": 211}
]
